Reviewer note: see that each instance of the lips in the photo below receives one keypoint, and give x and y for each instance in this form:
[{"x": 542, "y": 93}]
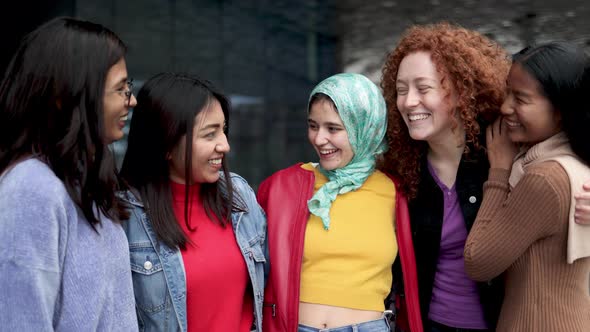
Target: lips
[
  {"x": 418, "y": 117},
  {"x": 512, "y": 124},
  {"x": 325, "y": 152}
]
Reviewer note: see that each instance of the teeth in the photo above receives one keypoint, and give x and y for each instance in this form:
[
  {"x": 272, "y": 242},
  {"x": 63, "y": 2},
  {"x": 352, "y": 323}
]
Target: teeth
[
  {"x": 215, "y": 161},
  {"x": 512, "y": 123},
  {"x": 416, "y": 117},
  {"x": 124, "y": 118},
  {"x": 328, "y": 151}
]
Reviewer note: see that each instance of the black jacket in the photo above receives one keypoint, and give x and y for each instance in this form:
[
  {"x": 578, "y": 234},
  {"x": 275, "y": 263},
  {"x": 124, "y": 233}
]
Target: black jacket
[{"x": 426, "y": 218}]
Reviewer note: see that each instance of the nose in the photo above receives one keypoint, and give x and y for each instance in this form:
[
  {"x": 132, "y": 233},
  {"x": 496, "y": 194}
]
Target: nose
[
  {"x": 506, "y": 108},
  {"x": 223, "y": 145},
  {"x": 132, "y": 101},
  {"x": 320, "y": 137},
  {"x": 411, "y": 99}
]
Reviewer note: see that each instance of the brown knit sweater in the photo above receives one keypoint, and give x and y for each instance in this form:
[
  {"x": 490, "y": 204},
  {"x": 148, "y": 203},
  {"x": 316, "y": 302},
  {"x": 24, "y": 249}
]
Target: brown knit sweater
[{"x": 525, "y": 234}]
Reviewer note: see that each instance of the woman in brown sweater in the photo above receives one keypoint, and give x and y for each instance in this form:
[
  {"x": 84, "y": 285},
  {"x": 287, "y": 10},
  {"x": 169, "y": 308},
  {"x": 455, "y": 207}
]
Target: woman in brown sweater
[{"x": 525, "y": 226}]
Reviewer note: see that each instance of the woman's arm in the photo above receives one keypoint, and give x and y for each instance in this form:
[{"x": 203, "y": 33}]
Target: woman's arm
[
  {"x": 33, "y": 232},
  {"x": 507, "y": 225}
]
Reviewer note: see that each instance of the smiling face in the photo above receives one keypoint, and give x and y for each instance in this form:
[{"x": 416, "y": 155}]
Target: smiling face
[
  {"x": 528, "y": 115},
  {"x": 425, "y": 105},
  {"x": 116, "y": 107},
  {"x": 209, "y": 146},
  {"x": 328, "y": 136}
]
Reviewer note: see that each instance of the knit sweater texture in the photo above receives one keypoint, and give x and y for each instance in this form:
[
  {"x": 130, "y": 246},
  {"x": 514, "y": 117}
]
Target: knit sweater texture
[
  {"x": 57, "y": 273},
  {"x": 524, "y": 234}
]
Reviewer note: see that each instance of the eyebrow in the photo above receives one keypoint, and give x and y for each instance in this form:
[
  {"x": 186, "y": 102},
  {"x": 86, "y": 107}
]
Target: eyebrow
[
  {"x": 121, "y": 81},
  {"x": 326, "y": 123},
  {"x": 417, "y": 79},
  {"x": 521, "y": 93},
  {"x": 210, "y": 126}
]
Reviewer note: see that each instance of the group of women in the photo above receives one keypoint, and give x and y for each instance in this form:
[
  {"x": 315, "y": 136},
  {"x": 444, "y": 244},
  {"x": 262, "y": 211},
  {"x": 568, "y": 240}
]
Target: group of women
[{"x": 453, "y": 199}]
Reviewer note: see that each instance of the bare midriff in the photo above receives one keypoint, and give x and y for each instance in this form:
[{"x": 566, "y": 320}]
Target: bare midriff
[{"x": 323, "y": 316}]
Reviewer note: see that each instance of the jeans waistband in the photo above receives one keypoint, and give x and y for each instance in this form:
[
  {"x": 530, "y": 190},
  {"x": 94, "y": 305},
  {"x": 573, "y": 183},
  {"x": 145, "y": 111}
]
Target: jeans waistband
[{"x": 377, "y": 325}]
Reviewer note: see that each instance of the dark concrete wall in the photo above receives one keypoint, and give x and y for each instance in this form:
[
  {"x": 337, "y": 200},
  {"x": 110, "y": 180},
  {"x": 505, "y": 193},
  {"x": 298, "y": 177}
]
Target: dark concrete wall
[
  {"x": 267, "y": 55},
  {"x": 370, "y": 29}
]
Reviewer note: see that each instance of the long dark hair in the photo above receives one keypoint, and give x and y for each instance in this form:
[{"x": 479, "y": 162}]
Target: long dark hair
[
  {"x": 562, "y": 70},
  {"x": 167, "y": 105},
  {"x": 51, "y": 107}
]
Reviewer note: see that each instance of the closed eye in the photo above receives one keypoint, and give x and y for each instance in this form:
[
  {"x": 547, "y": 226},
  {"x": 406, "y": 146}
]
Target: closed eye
[{"x": 424, "y": 88}]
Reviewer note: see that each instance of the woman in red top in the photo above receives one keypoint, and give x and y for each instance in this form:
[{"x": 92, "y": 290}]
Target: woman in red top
[{"x": 196, "y": 234}]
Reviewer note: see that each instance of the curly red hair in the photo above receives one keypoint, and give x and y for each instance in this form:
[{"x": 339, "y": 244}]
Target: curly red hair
[{"x": 471, "y": 64}]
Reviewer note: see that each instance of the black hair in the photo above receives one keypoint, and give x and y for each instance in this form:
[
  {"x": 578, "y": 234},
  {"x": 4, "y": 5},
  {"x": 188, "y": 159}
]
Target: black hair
[
  {"x": 167, "y": 106},
  {"x": 317, "y": 97},
  {"x": 561, "y": 69},
  {"x": 51, "y": 108}
]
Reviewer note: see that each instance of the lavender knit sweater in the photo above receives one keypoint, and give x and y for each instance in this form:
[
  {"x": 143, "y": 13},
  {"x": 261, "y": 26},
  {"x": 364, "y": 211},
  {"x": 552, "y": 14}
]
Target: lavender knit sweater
[{"x": 56, "y": 272}]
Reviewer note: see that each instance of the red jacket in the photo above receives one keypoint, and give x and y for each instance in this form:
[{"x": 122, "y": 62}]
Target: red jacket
[{"x": 284, "y": 196}]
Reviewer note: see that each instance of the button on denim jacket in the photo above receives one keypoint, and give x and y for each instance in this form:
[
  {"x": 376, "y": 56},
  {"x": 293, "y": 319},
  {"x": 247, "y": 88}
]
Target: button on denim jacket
[{"x": 158, "y": 271}]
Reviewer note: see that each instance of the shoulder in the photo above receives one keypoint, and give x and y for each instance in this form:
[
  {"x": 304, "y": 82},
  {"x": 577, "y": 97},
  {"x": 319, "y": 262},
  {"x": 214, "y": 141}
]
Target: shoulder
[
  {"x": 382, "y": 179},
  {"x": 130, "y": 198},
  {"x": 281, "y": 185},
  {"x": 550, "y": 171},
  {"x": 382, "y": 176},
  {"x": 135, "y": 207},
  {"x": 36, "y": 212},
  {"x": 246, "y": 196},
  {"x": 243, "y": 190},
  {"x": 294, "y": 171},
  {"x": 240, "y": 185},
  {"x": 545, "y": 183},
  {"x": 32, "y": 180},
  {"x": 548, "y": 176}
]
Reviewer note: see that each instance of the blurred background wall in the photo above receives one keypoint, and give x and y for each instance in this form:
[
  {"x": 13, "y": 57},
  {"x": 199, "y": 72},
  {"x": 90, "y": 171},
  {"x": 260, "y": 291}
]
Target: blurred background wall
[{"x": 268, "y": 55}]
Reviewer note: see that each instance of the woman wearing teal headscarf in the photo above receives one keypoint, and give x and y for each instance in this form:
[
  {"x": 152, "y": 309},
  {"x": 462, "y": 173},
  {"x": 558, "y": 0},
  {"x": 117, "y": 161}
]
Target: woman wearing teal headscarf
[{"x": 334, "y": 227}]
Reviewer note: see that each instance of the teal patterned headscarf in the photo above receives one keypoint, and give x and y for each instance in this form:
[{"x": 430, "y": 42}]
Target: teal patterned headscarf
[{"x": 362, "y": 109}]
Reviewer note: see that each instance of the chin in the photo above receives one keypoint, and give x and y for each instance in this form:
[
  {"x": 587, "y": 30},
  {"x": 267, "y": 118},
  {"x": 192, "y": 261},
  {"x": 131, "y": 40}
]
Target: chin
[
  {"x": 419, "y": 137},
  {"x": 329, "y": 167},
  {"x": 114, "y": 137},
  {"x": 516, "y": 139},
  {"x": 212, "y": 179}
]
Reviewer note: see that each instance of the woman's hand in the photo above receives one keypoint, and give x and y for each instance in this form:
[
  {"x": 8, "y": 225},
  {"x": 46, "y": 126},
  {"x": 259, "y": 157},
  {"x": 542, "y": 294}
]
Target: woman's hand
[
  {"x": 501, "y": 150},
  {"x": 582, "y": 213}
]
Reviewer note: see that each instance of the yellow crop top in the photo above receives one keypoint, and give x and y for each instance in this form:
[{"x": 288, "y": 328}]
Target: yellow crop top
[{"x": 349, "y": 265}]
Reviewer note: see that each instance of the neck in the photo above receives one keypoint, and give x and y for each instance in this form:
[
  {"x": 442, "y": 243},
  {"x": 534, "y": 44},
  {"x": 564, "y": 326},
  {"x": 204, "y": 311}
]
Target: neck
[
  {"x": 445, "y": 157},
  {"x": 179, "y": 191}
]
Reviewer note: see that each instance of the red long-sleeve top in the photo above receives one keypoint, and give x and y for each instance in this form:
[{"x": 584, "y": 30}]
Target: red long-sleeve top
[{"x": 218, "y": 293}]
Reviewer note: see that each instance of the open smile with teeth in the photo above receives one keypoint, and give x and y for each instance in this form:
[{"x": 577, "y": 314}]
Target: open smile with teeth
[
  {"x": 512, "y": 124},
  {"x": 124, "y": 117},
  {"x": 418, "y": 117},
  {"x": 216, "y": 161},
  {"x": 327, "y": 151}
]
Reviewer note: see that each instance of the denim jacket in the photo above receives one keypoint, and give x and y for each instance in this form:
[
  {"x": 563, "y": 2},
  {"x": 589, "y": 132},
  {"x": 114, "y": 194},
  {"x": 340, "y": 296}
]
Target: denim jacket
[{"x": 158, "y": 270}]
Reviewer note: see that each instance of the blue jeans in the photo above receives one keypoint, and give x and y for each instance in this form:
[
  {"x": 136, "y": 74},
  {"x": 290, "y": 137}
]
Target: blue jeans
[{"x": 377, "y": 325}]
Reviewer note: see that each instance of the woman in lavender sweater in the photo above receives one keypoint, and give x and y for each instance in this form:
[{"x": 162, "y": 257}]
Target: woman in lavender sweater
[{"x": 64, "y": 261}]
